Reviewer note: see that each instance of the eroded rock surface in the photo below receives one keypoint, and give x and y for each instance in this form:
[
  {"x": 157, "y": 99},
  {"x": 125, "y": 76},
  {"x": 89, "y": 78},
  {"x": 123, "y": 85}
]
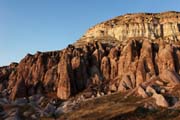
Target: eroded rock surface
[
  {"x": 149, "y": 25},
  {"x": 130, "y": 52}
]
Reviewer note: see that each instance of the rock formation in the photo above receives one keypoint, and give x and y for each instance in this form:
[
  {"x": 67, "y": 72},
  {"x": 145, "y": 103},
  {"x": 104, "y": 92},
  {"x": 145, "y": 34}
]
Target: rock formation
[
  {"x": 138, "y": 52},
  {"x": 152, "y": 26}
]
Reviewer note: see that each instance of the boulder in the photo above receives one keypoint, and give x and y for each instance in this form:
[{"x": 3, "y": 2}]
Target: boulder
[
  {"x": 50, "y": 109},
  {"x": 13, "y": 114},
  {"x": 150, "y": 90},
  {"x": 20, "y": 101},
  {"x": 160, "y": 100}
]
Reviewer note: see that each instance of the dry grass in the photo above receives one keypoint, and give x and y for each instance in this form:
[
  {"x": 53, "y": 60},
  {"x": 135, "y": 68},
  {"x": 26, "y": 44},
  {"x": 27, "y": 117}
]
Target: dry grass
[
  {"x": 116, "y": 107},
  {"x": 103, "y": 108}
]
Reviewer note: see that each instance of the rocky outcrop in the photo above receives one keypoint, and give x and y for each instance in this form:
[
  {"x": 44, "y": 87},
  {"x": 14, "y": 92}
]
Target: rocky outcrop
[
  {"x": 30, "y": 75},
  {"x": 130, "y": 52},
  {"x": 72, "y": 70},
  {"x": 149, "y": 25},
  {"x": 5, "y": 74},
  {"x": 65, "y": 77}
]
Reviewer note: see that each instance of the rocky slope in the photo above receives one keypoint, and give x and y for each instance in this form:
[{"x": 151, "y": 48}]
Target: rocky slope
[{"x": 136, "y": 54}]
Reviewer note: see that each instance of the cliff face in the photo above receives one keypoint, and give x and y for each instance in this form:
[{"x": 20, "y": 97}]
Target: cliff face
[
  {"x": 149, "y": 25},
  {"x": 128, "y": 52},
  {"x": 111, "y": 68},
  {"x": 34, "y": 74}
]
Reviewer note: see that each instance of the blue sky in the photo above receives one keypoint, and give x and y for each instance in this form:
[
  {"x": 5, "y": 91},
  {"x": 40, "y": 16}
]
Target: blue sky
[{"x": 27, "y": 26}]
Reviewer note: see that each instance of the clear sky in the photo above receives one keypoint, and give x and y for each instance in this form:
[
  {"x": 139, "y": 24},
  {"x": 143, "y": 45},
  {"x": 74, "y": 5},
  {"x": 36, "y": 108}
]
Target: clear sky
[{"x": 27, "y": 26}]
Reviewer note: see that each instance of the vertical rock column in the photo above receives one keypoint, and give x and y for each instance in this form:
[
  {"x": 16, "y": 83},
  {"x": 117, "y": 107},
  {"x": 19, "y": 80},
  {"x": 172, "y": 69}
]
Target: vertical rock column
[
  {"x": 145, "y": 68},
  {"x": 65, "y": 78}
]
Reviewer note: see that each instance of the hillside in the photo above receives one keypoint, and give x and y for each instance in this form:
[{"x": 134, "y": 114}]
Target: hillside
[{"x": 134, "y": 58}]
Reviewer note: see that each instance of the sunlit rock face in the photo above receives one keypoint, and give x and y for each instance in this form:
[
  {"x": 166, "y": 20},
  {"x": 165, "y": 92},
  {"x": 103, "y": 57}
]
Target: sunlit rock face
[
  {"x": 72, "y": 70},
  {"x": 127, "y": 52},
  {"x": 149, "y": 25}
]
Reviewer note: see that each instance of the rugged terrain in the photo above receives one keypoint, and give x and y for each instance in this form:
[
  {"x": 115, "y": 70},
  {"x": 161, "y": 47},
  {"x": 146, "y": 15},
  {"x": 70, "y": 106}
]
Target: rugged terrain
[{"x": 118, "y": 69}]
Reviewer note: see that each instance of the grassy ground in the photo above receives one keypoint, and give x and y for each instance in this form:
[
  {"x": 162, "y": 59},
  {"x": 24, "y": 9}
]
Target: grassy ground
[
  {"x": 116, "y": 107},
  {"x": 103, "y": 108}
]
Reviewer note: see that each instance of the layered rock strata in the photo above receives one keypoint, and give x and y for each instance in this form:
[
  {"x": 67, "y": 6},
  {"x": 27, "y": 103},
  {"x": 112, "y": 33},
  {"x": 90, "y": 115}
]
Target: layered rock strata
[{"x": 149, "y": 25}]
